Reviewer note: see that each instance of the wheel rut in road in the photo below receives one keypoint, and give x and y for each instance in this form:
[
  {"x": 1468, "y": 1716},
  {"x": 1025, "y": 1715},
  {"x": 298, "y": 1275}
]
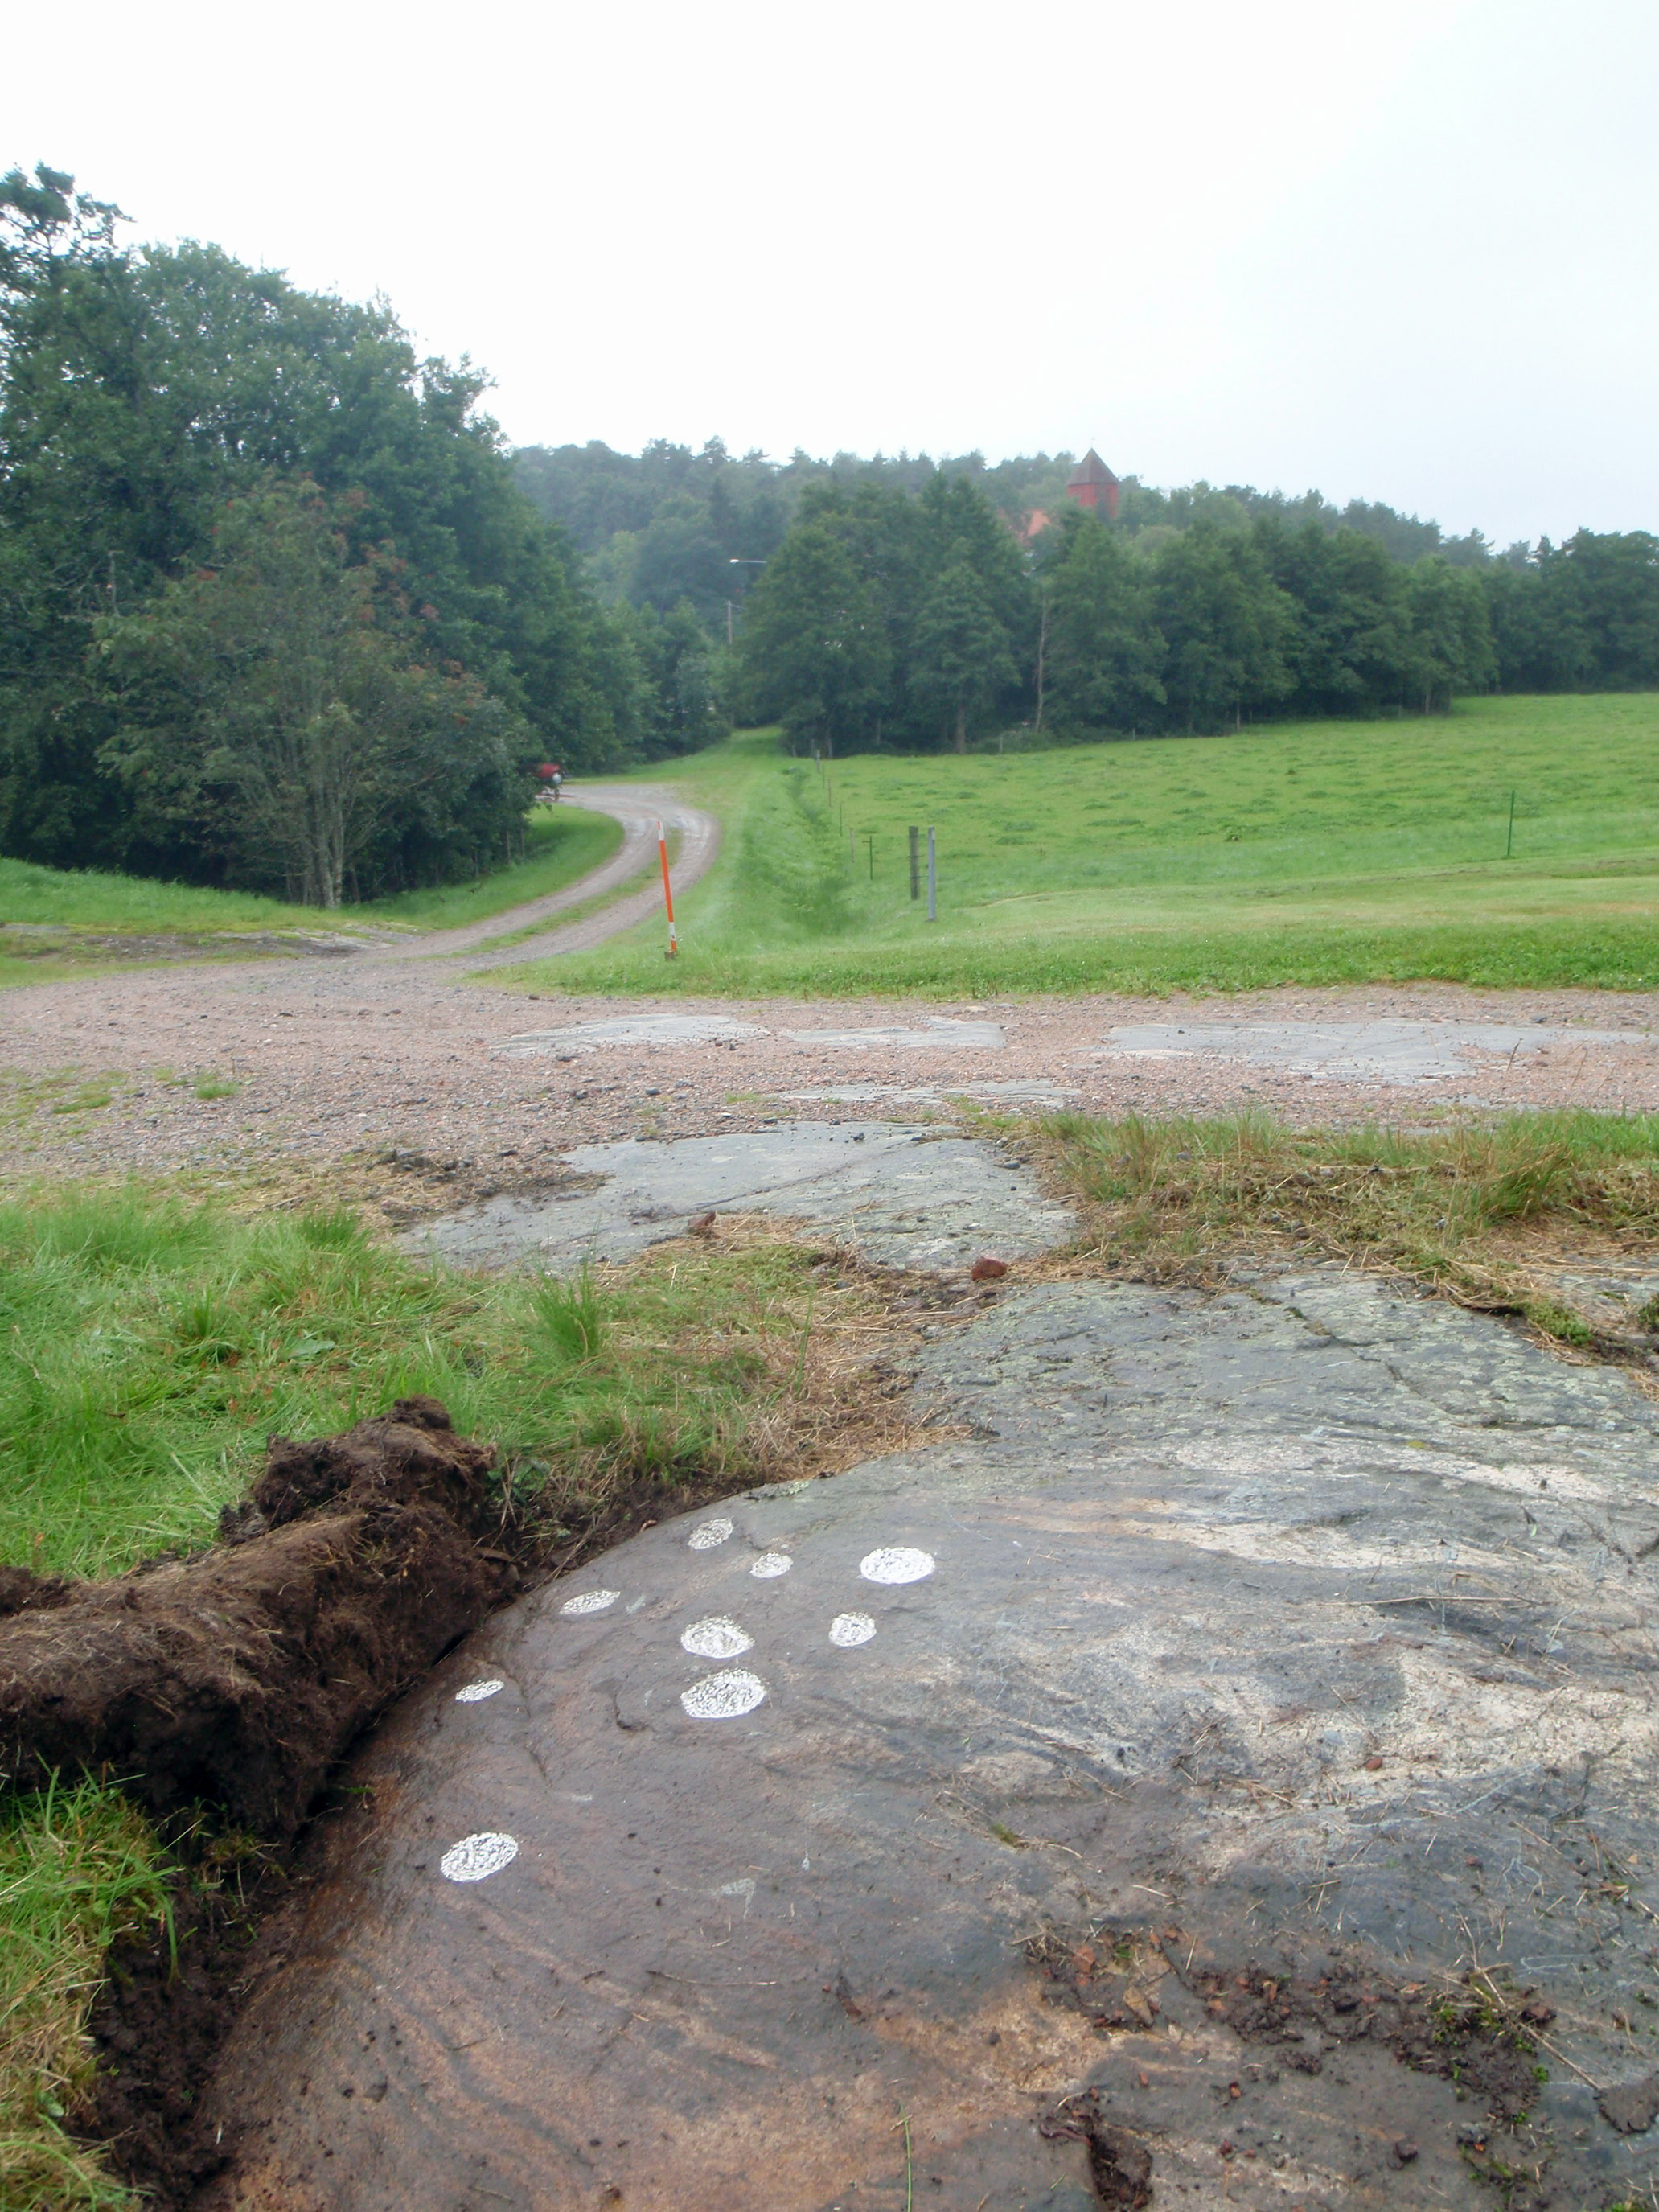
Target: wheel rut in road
[{"x": 1101, "y": 1799}]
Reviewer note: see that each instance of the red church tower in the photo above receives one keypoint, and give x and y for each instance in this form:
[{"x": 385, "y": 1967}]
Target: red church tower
[{"x": 1094, "y": 486}]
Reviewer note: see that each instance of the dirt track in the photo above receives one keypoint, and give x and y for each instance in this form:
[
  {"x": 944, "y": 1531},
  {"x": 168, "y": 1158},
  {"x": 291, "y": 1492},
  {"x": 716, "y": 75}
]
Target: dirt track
[{"x": 638, "y": 810}]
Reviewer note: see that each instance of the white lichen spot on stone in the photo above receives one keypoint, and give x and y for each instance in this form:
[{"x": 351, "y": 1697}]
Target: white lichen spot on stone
[
  {"x": 896, "y": 1562},
  {"x": 590, "y": 1602},
  {"x": 474, "y": 1857},
  {"x": 847, "y": 1629},
  {"x": 726, "y": 1696},
  {"x": 770, "y": 1563},
  {"x": 717, "y": 1637},
  {"x": 707, "y": 1535},
  {"x": 475, "y": 1692}
]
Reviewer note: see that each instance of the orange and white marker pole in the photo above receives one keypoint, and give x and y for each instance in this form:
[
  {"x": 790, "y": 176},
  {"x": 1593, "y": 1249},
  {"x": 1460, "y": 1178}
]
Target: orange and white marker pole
[{"x": 667, "y": 891}]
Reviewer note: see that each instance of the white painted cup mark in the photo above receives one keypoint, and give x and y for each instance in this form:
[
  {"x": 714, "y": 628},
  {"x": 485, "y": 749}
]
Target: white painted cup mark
[
  {"x": 896, "y": 1562},
  {"x": 847, "y": 1629},
  {"x": 726, "y": 1696},
  {"x": 475, "y": 1692},
  {"x": 770, "y": 1563},
  {"x": 707, "y": 1535},
  {"x": 476, "y": 1856},
  {"x": 717, "y": 1637},
  {"x": 590, "y": 1602}
]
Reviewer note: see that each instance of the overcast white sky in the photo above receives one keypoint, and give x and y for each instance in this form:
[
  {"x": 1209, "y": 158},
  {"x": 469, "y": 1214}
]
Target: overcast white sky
[{"x": 1402, "y": 250}]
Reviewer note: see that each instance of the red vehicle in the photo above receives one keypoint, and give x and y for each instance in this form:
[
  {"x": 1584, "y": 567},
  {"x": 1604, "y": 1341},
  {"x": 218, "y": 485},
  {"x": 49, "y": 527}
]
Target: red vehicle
[{"x": 552, "y": 775}]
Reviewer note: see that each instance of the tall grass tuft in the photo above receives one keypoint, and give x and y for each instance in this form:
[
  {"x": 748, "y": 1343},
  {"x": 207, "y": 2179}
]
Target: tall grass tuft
[{"x": 1438, "y": 1203}]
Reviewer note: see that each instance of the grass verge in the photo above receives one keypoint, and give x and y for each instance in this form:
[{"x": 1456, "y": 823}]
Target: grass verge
[
  {"x": 1485, "y": 1213},
  {"x": 54, "y": 922},
  {"x": 78, "y": 1870},
  {"x": 150, "y": 1345}
]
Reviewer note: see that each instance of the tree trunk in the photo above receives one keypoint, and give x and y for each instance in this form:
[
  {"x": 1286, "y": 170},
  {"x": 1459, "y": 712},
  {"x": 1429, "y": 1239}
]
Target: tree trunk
[
  {"x": 961, "y": 730},
  {"x": 1042, "y": 656}
]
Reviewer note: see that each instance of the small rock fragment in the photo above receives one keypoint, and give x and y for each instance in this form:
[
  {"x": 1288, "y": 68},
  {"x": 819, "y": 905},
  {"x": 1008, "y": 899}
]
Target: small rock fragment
[
  {"x": 703, "y": 1225},
  {"x": 986, "y": 1269},
  {"x": 1631, "y": 2106}
]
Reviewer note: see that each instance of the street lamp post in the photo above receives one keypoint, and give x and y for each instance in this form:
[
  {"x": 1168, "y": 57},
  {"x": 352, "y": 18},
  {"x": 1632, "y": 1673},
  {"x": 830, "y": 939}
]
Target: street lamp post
[{"x": 733, "y": 562}]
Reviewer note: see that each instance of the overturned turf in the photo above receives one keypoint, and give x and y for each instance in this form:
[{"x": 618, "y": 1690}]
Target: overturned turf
[{"x": 235, "y": 1678}]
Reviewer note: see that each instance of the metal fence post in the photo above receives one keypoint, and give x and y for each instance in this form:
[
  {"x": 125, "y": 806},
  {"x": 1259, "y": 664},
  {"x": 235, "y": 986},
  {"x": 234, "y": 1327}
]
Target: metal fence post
[{"x": 932, "y": 881}]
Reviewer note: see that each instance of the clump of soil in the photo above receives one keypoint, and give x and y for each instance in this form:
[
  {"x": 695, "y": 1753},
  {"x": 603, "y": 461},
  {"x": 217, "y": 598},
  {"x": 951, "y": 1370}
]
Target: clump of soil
[
  {"x": 437, "y": 1185},
  {"x": 1468, "y": 2032},
  {"x": 219, "y": 1690},
  {"x": 234, "y": 1679}
]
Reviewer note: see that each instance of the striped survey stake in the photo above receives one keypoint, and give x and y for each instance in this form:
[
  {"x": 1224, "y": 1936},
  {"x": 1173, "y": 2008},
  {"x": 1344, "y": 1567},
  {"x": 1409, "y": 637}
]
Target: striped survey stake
[{"x": 667, "y": 892}]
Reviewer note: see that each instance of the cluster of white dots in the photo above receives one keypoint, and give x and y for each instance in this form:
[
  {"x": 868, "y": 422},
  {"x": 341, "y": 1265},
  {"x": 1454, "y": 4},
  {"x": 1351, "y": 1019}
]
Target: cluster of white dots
[
  {"x": 725, "y": 1695},
  {"x": 734, "y": 1691}
]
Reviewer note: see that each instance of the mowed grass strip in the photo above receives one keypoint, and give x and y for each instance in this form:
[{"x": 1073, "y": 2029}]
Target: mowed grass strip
[
  {"x": 1475, "y": 1210},
  {"x": 1306, "y": 852},
  {"x": 60, "y": 907}
]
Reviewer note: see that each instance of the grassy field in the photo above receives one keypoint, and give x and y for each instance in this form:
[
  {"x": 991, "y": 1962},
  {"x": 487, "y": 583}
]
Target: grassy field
[
  {"x": 1307, "y": 853},
  {"x": 71, "y": 905}
]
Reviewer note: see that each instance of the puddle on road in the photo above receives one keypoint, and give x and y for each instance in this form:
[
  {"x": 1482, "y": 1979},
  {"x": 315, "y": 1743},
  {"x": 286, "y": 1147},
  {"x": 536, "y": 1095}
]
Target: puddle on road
[{"x": 904, "y": 1197}]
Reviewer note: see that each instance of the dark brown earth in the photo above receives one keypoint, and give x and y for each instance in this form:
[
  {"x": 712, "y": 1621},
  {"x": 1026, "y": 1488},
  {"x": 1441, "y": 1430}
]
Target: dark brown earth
[
  {"x": 235, "y": 1678},
  {"x": 167, "y": 2003}
]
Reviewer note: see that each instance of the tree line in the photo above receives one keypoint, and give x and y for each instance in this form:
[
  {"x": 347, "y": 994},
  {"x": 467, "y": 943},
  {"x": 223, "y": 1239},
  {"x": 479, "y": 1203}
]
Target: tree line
[
  {"x": 663, "y": 525},
  {"x": 889, "y": 619},
  {"x": 273, "y": 611}
]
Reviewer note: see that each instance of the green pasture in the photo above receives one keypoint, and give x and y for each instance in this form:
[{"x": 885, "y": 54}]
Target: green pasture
[
  {"x": 69, "y": 907},
  {"x": 1304, "y": 853}
]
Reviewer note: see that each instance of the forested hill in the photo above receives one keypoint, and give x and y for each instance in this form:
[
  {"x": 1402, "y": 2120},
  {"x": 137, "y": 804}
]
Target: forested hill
[
  {"x": 888, "y": 602},
  {"x": 665, "y": 525},
  {"x": 273, "y": 611}
]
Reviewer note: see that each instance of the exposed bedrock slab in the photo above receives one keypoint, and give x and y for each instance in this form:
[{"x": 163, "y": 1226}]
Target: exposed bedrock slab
[
  {"x": 1306, "y": 1624},
  {"x": 628, "y": 1030},
  {"x": 1340, "y": 1052},
  {"x": 904, "y": 1196},
  {"x": 937, "y": 1033}
]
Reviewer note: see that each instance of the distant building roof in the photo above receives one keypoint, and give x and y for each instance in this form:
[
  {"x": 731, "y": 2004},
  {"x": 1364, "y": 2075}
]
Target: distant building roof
[{"x": 1091, "y": 470}]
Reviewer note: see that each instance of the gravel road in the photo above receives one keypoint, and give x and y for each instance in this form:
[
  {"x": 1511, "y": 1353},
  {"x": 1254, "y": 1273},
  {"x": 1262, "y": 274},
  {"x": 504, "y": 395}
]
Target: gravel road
[{"x": 335, "y": 1057}]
